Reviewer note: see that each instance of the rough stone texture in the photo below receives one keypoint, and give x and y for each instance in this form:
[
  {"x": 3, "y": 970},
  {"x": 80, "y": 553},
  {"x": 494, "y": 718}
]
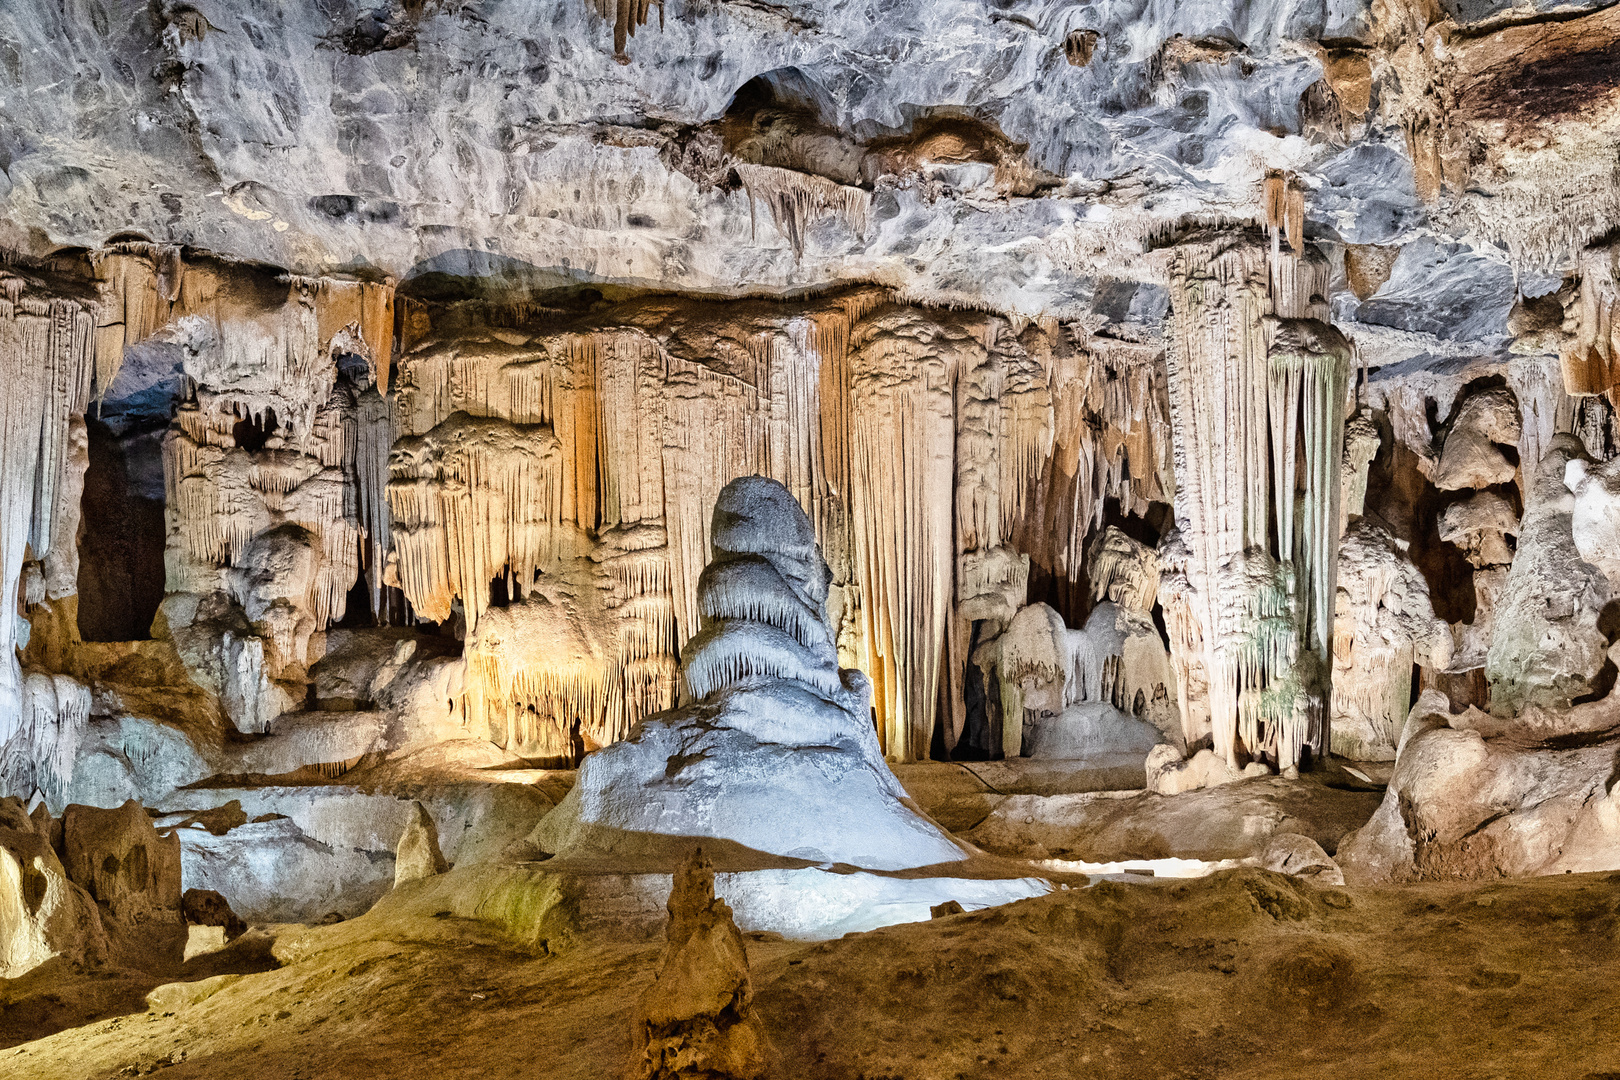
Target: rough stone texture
[
  {"x": 43, "y": 914},
  {"x": 1228, "y": 821},
  {"x": 697, "y": 1018},
  {"x": 1471, "y": 457},
  {"x": 1168, "y": 773},
  {"x": 418, "y": 855},
  {"x": 1467, "y": 805},
  {"x": 1090, "y": 730},
  {"x": 205, "y": 907},
  {"x": 1548, "y": 648},
  {"x": 127, "y": 867},
  {"x": 1481, "y": 524}
]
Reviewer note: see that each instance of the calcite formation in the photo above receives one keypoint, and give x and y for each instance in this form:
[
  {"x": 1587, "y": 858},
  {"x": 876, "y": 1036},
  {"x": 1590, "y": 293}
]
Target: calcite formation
[
  {"x": 408, "y": 410},
  {"x": 774, "y": 722}
]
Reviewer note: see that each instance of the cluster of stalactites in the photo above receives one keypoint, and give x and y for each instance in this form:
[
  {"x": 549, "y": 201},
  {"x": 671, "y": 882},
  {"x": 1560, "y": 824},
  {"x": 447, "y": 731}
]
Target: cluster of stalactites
[
  {"x": 1112, "y": 438},
  {"x": 251, "y": 355},
  {"x": 471, "y": 500},
  {"x": 51, "y": 725},
  {"x": 46, "y": 363},
  {"x": 262, "y": 358},
  {"x": 1256, "y": 383},
  {"x": 797, "y": 199},
  {"x": 221, "y": 497}
]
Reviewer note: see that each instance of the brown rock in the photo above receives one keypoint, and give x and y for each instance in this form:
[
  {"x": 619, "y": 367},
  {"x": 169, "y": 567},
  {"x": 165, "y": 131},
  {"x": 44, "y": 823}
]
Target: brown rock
[
  {"x": 119, "y": 858},
  {"x": 205, "y": 907},
  {"x": 42, "y": 913},
  {"x": 697, "y": 1019},
  {"x": 418, "y": 855}
]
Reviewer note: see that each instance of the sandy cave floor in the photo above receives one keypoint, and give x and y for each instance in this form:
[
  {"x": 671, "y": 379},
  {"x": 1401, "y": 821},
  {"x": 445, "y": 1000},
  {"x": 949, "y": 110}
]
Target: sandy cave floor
[{"x": 1243, "y": 974}]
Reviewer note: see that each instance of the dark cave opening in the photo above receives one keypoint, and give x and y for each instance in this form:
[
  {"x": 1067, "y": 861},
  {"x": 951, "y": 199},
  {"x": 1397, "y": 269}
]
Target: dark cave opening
[{"x": 121, "y": 573}]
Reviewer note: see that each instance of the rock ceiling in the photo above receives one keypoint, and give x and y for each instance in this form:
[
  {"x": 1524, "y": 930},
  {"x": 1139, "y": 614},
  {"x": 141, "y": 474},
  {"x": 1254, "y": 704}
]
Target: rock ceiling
[{"x": 1011, "y": 157}]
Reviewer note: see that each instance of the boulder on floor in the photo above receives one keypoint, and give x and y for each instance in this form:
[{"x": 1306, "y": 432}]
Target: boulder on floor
[
  {"x": 1466, "y": 803},
  {"x": 43, "y": 914},
  {"x": 418, "y": 855}
]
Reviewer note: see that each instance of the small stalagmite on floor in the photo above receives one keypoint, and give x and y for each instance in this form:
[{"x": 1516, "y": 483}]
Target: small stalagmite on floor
[
  {"x": 419, "y": 855},
  {"x": 697, "y": 1019}
]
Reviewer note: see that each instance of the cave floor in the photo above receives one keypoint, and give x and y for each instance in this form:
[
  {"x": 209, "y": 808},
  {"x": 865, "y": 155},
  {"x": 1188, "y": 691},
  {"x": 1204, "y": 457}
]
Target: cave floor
[{"x": 1241, "y": 974}]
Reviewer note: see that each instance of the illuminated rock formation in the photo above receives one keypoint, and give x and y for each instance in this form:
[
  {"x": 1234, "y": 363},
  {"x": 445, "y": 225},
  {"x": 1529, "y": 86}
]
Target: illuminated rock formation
[
  {"x": 1257, "y": 385},
  {"x": 1384, "y": 624},
  {"x": 698, "y": 1017},
  {"x": 1548, "y": 649},
  {"x": 776, "y": 757},
  {"x": 775, "y": 753}
]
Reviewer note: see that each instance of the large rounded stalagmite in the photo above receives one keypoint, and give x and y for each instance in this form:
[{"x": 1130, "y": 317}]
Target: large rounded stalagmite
[{"x": 775, "y": 765}]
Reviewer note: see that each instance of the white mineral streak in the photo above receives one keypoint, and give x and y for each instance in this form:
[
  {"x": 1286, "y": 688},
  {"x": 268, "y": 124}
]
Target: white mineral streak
[
  {"x": 1240, "y": 385},
  {"x": 1383, "y": 625},
  {"x": 46, "y": 364},
  {"x": 42, "y": 752}
]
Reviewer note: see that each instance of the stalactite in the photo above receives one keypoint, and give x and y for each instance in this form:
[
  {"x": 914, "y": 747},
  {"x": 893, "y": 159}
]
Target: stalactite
[
  {"x": 52, "y": 725},
  {"x": 752, "y": 415},
  {"x": 374, "y": 430},
  {"x": 1253, "y": 375},
  {"x": 1111, "y": 441},
  {"x": 796, "y": 199},
  {"x": 471, "y": 499},
  {"x": 902, "y": 450},
  {"x": 46, "y": 359},
  {"x": 1592, "y": 360}
]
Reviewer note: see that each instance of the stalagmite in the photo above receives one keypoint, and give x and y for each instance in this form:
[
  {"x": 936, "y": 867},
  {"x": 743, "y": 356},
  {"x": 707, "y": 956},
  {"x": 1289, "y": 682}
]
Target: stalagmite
[
  {"x": 697, "y": 1019},
  {"x": 1384, "y": 625}
]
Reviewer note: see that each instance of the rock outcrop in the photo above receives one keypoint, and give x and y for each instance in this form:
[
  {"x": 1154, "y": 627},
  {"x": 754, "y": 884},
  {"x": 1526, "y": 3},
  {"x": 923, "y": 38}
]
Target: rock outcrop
[
  {"x": 418, "y": 855},
  {"x": 43, "y": 914},
  {"x": 1469, "y": 800}
]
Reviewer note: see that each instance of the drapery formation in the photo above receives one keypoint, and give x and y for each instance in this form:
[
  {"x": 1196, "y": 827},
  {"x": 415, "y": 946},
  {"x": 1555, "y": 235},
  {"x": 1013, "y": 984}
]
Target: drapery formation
[{"x": 1258, "y": 383}]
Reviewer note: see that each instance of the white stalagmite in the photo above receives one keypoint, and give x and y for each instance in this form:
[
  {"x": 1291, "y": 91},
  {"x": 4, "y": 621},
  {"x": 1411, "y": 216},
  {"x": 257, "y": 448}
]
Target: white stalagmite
[
  {"x": 1384, "y": 624},
  {"x": 1255, "y": 377}
]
